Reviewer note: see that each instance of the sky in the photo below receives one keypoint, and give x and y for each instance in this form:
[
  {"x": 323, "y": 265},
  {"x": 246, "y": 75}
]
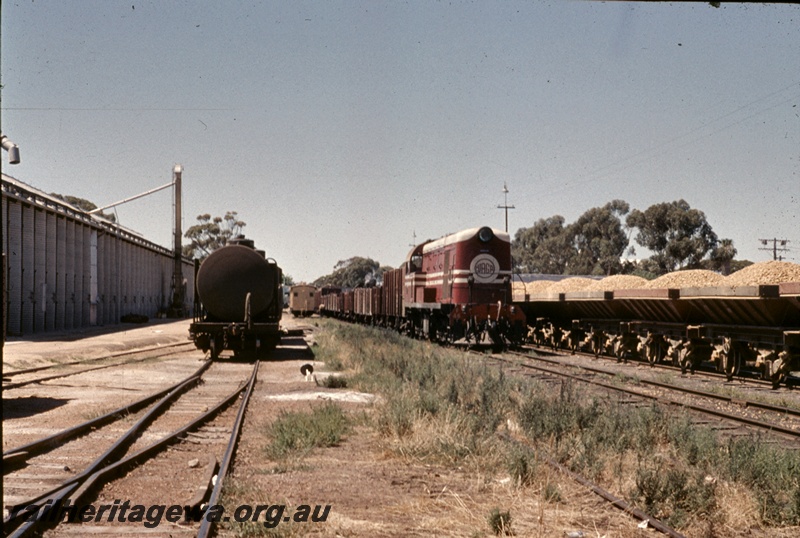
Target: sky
[{"x": 346, "y": 128}]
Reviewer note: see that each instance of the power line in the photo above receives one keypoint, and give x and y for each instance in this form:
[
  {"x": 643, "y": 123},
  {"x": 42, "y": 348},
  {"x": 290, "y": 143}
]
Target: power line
[
  {"x": 774, "y": 248},
  {"x": 649, "y": 153},
  {"x": 505, "y": 204},
  {"x": 115, "y": 109}
]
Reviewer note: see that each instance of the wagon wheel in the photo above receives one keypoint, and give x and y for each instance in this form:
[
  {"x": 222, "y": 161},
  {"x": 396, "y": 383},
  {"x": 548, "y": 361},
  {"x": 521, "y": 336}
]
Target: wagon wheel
[
  {"x": 449, "y": 336},
  {"x": 653, "y": 353},
  {"x": 776, "y": 381},
  {"x": 677, "y": 355},
  {"x": 213, "y": 349},
  {"x": 685, "y": 360},
  {"x": 661, "y": 352},
  {"x": 732, "y": 363}
]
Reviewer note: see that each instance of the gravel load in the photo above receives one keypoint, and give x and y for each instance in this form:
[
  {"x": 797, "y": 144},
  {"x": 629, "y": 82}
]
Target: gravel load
[
  {"x": 519, "y": 289},
  {"x": 617, "y": 282},
  {"x": 690, "y": 278},
  {"x": 577, "y": 283},
  {"x": 772, "y": 272},
  {"x": 538, "y": 286}
]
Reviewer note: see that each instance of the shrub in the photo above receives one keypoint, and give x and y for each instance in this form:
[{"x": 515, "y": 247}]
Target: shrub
[
  {"x": 500, "y": 522},
  {"x": 335, "y": 382},
  {"x": 300, "y": 432},
  {"x": 522, "y": 466}
]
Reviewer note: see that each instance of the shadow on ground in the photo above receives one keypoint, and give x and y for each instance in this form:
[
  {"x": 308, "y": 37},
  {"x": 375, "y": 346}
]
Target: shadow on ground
[{"x": 29, "y": 406}]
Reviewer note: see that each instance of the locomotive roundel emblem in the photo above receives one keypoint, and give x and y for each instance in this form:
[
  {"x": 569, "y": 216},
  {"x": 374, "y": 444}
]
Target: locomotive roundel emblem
[{"x": 484, "y": 268}]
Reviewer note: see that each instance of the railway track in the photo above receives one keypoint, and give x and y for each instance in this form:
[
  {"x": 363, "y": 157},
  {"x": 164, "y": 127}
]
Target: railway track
[
  {"x": 18, "y": 456},
  {"x": 170, "y": 453},
  {"x": 20, "y": 378},
  {"x": 729, "y": 416},
  {"x": 742, "y": 416},
  {"x": 645, "y": 519},
  {"x": 587, "y": 361}
]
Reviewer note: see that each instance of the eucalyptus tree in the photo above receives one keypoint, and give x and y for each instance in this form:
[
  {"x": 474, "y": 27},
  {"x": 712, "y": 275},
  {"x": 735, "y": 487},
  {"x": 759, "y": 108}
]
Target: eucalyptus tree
[
  {"x": 209, "y": 234},
  {"x": 598, "y": 240},
  {"x": 679, "y": 236},
  {"x": 542, "y": 248}
]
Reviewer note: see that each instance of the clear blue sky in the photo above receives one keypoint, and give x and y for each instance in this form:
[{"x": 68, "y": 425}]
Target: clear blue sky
[{"x": 341, "y": 128}]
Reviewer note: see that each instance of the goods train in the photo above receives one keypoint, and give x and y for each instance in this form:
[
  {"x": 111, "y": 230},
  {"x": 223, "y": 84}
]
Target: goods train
[
  {"x": 456, "y": 289},
  {"x": 733, "y": 328},
  {"x": 238, "y": 301}
]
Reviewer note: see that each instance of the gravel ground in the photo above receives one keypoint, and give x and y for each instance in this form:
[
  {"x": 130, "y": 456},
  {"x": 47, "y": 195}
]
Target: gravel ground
[
  {"x": 370, "y": 492},
  {"x": 40, "y": 350}
]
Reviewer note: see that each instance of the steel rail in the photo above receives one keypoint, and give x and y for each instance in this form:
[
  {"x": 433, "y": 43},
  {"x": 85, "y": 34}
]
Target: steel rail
[
  {"x": 206, "y": 526},
  {"x": 119, "y": 445},
  {"x": 107, "y": 473},
  {"x": 615, "y": 501},
  {"x": 660, "y": 366},
  {"x": 14, "y": 456},
  {"x": 95, "y": 359},
  {"x": 735, "y": 418},
  {"x": 609, "y": 497},
  {"x": 711, "y": 395},
  {"x": 9, "y": 386}
]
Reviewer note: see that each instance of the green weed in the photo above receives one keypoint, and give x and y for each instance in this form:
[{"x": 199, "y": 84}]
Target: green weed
[{"x": 298, "y": 433}]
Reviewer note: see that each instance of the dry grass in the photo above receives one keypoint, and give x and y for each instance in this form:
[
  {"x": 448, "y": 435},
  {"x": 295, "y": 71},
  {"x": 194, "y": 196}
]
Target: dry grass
[{"x": 453, "y": 422}]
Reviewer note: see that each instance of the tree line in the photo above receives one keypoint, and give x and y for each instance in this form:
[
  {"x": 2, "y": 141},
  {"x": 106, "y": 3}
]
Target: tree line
[
  {"x": 678, "y": 236},
  {"x": 597, "y": 243}
]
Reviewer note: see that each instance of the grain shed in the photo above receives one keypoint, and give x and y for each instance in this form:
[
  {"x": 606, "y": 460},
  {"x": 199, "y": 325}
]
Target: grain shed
[{"x": 66, "y": 269}]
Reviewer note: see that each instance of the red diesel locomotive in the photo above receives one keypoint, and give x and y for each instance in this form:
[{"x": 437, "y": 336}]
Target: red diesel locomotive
[{"x": 455, "y": 289}]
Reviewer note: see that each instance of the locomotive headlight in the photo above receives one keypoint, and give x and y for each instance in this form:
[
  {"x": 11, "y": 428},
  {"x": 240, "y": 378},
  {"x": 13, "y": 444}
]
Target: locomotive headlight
[{"x": 485, "y": 234}]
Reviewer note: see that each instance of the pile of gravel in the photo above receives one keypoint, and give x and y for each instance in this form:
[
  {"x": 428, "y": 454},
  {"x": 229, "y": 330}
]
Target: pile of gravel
[
  {"x": 519, "y": 289},
  {"x": 577, "y": 283},
  {"x": 772, "y": 272},
  {"x": 690, "y": 278},
  {"x": 537, "y": 286},
  {"x": 617, "y": 282}
]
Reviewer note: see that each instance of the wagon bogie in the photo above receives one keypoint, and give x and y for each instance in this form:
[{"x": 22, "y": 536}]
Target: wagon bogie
[{"x": 738, "y": 330}]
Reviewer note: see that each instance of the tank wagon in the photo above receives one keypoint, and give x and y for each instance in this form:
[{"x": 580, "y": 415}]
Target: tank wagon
[
  {"x": 456, "y": 289},
  {"x": 238, "y": 301},
  {"x": 303, "y": 300},
  {"x": 731, "y": 327}
]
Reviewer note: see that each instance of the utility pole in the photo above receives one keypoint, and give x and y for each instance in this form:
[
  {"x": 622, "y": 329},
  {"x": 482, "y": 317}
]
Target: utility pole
[
  {"x": 176, "y": 311},
  {"x": 414, "y": 239},
  {"x": 774, "y": 247},
  {"x": 13, "y": 158},
  {"x": 505, "y": 203}
]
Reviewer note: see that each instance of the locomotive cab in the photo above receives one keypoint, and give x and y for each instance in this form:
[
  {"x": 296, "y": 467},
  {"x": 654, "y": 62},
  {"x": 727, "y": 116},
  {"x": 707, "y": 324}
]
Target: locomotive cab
[{"x": 458, "y": 288}]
